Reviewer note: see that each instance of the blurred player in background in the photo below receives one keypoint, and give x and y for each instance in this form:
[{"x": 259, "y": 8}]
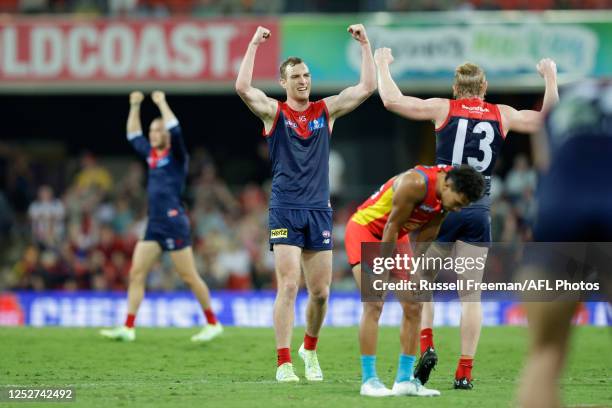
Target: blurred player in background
[
  {"x": 573, "y": 153},
  {"x": 468, "y": 130},
  {"x": 416, "y": 200},
  {"x": 168, "y": 225},
  {"x": 298, "y": 133}
]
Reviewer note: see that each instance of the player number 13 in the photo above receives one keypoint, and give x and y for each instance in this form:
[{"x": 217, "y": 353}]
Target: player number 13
[{"x": 484, "y": 146}]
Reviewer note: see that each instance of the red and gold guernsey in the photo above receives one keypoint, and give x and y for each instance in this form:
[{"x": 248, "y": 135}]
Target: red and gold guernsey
[{"x": 374, "y": 212}]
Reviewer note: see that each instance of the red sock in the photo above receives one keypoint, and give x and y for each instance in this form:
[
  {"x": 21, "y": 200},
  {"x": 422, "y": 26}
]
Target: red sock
[
  {"x": 283, "y": 355},
  {"x": 464, "y": 368},
  {"x": 426, "y": 339},
  {"x": 310, "y": 343},
  {"x": 210, "y": 316},
  {"x": 129, "y": 320}
]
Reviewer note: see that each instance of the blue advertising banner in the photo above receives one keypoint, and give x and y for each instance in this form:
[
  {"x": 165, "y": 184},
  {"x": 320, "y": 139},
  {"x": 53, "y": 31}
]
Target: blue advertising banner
[{"x": 246, "y": 309}]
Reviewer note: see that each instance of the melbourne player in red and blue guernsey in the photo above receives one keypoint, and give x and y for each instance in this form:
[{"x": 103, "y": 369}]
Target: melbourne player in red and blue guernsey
[
  {"x": 470, "y": 131},
  {"x": 298, "y": 132},
  {"x": 168, "y": 225}
]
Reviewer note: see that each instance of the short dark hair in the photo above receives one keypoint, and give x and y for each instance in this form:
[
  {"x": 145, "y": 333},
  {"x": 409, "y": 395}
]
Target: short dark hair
[
  {"x": 468, "y": 181},
  {"x": 291, "y": 61}
]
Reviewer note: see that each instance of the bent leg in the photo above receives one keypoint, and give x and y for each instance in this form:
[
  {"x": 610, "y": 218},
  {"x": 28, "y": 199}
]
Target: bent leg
[
  {"x": 185, "y": 266},
  {"x": 145, "y": 255}
]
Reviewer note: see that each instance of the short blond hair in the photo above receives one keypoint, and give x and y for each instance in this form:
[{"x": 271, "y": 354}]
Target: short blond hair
[{"x": 469, "y": 81}]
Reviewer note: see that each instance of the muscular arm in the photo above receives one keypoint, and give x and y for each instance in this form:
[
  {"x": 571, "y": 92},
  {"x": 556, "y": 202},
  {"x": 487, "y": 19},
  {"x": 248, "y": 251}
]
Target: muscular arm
[
  {"x": 255, "y": 99},
  {"x": 409, "y": 192},
  {"x": 133, "y": 123},
  {"x": 529, "y": 121},
  {"x": 434, "y": 109},
  {"x": 351, "y": 97}
]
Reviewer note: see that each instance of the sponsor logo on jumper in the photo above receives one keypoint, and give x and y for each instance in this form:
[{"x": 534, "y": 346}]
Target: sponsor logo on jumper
[
  {"x": 427, "y": 208},
  {"x": 278, "y": 233},
  {"x": 474, "y": 108},
  {"x": 290, "y": 123},
  {"x": 159, "y": 163},
  {"x": 326, "y": 234},
  {"x": 316, "y": 124},
  {"x": 173, "y": 212}
]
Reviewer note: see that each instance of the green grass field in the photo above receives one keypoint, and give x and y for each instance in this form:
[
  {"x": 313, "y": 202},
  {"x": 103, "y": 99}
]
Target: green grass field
[{"x": 163, "y": 369}]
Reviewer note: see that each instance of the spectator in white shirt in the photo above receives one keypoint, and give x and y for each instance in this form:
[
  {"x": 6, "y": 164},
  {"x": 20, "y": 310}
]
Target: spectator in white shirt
[{"x": 47, "y": 216}]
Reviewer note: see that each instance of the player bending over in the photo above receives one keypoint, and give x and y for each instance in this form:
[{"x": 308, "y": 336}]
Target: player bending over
[
  {"x": 168, "y": 225},
  {"x": 416, "y": 200}
]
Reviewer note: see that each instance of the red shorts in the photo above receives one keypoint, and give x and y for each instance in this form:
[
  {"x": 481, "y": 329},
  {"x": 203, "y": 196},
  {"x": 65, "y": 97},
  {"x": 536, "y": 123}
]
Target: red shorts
[{"x": 355, "y": 234}]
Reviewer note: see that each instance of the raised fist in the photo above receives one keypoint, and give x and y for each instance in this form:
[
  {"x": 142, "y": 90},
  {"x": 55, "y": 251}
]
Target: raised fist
[
  {"x": 136, "y": 98},
  {"x": 158, "y": 97},
  {"x": 547, "y": 67},
  {"x": 358, "y": 32},
  {"x": 383, "y": 55},
  {"x": 261, "y": 35}
]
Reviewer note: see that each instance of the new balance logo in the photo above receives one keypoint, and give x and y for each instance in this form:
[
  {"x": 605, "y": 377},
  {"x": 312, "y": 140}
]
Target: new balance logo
[{"x": 170, "y": 243}]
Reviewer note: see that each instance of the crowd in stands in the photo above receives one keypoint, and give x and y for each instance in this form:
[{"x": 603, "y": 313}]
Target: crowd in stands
[
  {"x": 161, "y": 8},
  {"x": 79, "y": 234}
]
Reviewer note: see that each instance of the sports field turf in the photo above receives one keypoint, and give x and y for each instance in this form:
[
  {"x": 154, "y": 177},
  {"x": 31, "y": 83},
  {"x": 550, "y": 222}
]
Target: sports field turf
[{"x": 162, "y": 368}]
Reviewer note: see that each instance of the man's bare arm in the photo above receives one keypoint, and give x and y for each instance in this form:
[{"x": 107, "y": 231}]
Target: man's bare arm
[
  {"x": 529, "y": 121},
  {"x": 134, "y": 128},
  {"x": 351, "y": 97},
  {"x": 428, "y": 234},
  {"x": 408, "y": 193},
  {"x": 257, "y": 101},
  {"x": 159, "y": 98},
  {"x": 133, "y": 123},
  {"x": 434, "y": 109}
]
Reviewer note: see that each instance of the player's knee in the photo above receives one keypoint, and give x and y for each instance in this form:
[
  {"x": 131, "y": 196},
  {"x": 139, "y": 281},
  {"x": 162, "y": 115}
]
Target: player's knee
[
  {"x": 191, "y": 279},
  {"x": 319, "y": 294},
  {"x": 373, "y": 310},
  {"x": 137, "y": 275},
  {"x": 288, "y": 288},
  {"x": 412, "y": 310}
]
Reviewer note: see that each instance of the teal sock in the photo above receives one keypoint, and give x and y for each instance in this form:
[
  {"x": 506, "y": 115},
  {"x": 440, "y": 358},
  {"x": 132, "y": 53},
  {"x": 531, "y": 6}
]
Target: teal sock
[
  {"x": 368, "y": 368},
  {"x": 405, "y": 368}
]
